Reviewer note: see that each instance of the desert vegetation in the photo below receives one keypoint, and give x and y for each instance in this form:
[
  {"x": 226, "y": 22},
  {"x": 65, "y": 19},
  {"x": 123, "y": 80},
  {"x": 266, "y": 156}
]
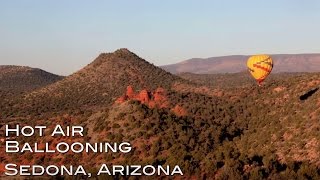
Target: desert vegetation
[{"x": 219, "y": 126}]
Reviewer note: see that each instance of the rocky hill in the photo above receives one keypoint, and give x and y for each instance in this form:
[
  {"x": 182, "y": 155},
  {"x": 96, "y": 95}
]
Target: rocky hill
[
  {"x": 98, "y": 84},
  {"x": 22, "y": 78},
  {"x": 15, "y": 81},
  {"x": 237, "y": 63}
]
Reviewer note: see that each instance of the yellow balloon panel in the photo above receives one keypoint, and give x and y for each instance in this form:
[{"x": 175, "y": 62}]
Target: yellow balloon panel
[{"x": 260, "y": 66}]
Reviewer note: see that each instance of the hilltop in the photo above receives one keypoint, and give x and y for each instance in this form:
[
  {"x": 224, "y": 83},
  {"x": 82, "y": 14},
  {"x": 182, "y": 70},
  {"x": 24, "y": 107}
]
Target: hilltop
[
  {"x": 23, "y": 78},
  {"x": 98, "y": 84},
  {"x": 237, "y": 63},
  {"x": 15, "y": 81}
]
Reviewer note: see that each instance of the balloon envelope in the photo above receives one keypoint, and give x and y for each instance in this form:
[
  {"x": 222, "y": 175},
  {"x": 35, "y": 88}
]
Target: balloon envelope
[{"x": 260, "y": 67}]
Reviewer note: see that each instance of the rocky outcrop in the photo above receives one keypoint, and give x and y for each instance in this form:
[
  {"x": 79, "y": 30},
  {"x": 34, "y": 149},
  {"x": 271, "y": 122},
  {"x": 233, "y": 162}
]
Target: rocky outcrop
[
  {"x": 179, "y": 111},
  {"x": 158, "y": 98},
  {"x": 155, "y": 99},
  {"x": 144, "y": 96},
  {"x": 130, "y": 92}
]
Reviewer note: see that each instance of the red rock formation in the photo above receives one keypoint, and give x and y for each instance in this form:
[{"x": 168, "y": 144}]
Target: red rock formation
[
  {"x": 121, "y": 99},
  {"x": 179, "y": 111},
  {"x": 156, "y": 99},
  {"x": 144, "y": 96},
  {"x": 130, "y": 92},
  {"x": 160, "y": 98},
  {"x": 2, "y": 168},
  {"x": 159, "y": 95},
  {"x": 152, "y": 104}
]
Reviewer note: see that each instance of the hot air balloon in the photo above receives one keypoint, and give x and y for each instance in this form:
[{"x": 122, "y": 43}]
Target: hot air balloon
[{"x": 260, "y": 67}]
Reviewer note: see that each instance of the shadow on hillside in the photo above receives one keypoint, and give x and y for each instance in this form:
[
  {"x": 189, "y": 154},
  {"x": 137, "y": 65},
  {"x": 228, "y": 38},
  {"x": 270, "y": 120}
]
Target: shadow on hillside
[{"x": 308, "y": 94}]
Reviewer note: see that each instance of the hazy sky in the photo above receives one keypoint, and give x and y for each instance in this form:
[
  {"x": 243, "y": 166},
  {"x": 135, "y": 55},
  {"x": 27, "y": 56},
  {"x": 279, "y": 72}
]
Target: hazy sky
[{"x": 64, "y": 35}]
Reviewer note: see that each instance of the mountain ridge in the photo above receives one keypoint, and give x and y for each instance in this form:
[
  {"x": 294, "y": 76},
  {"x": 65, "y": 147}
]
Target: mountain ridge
[
  {"x": 237, "y": 63},
  {"x": 25, "y": 78},
  {"x": 99, "y": 83}
]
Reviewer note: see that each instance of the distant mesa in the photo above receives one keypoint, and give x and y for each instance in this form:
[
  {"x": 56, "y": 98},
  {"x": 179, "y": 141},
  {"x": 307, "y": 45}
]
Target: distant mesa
[{"x": 237, "y": 63}]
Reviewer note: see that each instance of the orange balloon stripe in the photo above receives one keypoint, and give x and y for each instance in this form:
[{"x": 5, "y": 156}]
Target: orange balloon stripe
[
  {"x": 260, "y": 67},
  {"x": 261, "y": 79}
]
